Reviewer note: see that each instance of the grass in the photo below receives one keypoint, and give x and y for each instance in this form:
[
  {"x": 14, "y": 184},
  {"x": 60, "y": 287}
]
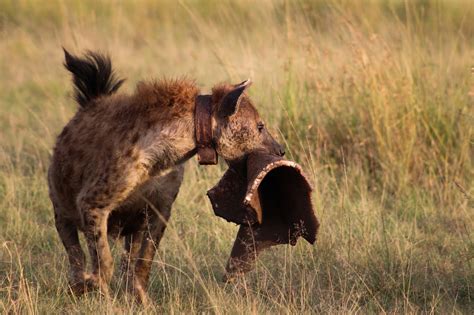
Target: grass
[{"x": 372, "y": 98}]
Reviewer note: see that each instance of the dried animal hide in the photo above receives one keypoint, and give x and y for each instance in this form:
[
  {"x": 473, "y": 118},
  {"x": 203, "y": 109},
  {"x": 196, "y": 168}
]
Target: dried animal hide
[{"x": 271, "y": 199}]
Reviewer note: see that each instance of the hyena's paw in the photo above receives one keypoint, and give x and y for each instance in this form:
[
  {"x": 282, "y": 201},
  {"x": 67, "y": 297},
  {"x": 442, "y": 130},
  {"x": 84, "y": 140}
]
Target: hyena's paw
[
  {"x": 88, "y": 283},
  {"x": 136, "y": 289}
]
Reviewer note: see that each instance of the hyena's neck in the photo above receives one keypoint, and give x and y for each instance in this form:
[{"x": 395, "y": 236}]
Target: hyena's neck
[
  {"x": 171, "y": 143},
  {"x": 169, "y": 137},
  {"x": 183, "y": 145}
]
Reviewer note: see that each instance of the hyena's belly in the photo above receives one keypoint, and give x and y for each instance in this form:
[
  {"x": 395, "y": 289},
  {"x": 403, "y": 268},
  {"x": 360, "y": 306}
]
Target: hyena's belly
[
  {"x": 148, "y": 200},
  {"x": 125, "y": 222},
  {"x": 131, "y": 215}
]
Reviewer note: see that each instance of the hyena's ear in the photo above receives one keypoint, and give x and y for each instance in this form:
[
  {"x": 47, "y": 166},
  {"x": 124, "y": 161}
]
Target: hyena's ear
[{"x": 230, "y": 102}]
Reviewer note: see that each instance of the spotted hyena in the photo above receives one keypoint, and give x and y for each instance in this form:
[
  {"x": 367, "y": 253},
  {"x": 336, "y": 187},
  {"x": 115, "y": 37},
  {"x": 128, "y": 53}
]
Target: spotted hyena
[{"x": 118, "y": 164}]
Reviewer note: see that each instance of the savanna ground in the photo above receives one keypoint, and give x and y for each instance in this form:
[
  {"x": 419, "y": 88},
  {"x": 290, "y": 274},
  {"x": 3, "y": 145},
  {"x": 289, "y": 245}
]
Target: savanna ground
[{"x": 373, "y": 98}]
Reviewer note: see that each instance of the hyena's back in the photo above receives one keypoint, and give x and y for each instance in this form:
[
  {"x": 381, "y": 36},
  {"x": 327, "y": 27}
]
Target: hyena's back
[
  {"x": 102, "y": 151},
  {"x": 105, "y": 145}
]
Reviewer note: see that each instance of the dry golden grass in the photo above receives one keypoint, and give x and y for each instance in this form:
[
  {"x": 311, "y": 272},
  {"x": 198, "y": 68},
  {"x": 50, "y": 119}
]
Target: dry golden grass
[{"x": 371, "y": 97}]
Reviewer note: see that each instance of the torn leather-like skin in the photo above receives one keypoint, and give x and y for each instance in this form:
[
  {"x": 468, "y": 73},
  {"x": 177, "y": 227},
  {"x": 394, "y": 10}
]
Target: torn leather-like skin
[{"x": 270, "y": 198}]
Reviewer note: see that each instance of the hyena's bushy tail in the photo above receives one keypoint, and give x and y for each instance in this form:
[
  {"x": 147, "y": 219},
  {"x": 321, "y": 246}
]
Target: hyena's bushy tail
[{"x": 92, "y": 76}]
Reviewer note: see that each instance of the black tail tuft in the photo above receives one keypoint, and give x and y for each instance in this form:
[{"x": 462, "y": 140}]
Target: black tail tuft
[{"x": 92, "y": 76}]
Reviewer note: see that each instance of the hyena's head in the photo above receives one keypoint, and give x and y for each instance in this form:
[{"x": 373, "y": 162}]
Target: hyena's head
[{"x": 238, "y": 128}]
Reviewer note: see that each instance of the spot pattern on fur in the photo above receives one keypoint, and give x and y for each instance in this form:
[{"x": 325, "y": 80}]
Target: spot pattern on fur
[{"x": 117, "y": 167}]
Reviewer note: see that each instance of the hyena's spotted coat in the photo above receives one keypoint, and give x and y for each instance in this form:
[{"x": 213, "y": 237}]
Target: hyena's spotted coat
[{"x": 118, "y": 164}]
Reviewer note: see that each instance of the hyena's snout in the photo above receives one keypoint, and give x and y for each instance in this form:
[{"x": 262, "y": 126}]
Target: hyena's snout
[
  {"x": 278, "y": 149},
  {"x": 273, "y": 146},
  {"x": 281, "y": 150}
]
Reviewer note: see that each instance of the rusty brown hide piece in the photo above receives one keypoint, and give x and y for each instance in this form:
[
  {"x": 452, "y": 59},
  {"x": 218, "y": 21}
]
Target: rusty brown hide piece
[
  {"x": 271, "y": 199},
  {"x": 206, "y": 152}
]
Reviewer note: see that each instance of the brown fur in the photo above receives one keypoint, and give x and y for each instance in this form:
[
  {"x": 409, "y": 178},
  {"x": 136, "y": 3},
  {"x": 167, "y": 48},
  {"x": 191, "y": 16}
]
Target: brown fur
[{"x": 117, "y": 166}]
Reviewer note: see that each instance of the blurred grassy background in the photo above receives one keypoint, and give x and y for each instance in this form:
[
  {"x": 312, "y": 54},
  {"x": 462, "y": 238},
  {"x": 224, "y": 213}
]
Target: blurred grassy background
[{"x": 373, "y": 98}]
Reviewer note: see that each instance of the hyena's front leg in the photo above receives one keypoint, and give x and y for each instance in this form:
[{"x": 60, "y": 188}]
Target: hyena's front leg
[
  {"x": 150, "y": 243},
  {"x": 132, "y": 245},
  {"x": 159, "y": 210}
]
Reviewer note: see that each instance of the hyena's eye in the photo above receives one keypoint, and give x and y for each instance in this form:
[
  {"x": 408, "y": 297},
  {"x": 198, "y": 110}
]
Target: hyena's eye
[{"x": 260, "y": 126}]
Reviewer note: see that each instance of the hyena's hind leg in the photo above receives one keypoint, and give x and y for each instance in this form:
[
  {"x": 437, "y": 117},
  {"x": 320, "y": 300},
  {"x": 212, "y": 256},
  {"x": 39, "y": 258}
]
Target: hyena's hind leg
[
  {"x": 67, "y": 231},
  {"x": 95, "y": 231},
  {"x": 95, "y": 204}
]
